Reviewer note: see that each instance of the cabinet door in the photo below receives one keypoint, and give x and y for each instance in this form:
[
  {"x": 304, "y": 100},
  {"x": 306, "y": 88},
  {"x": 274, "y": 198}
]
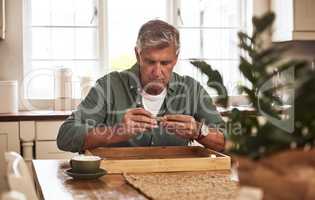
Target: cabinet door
[
  {"x": 9, "y": 137},
  {"x": 45, "y": 145},
  {"x": 304, "y": 15},
  {"x": 49, "y": 150},
  {"x": 47, "y": 130}
]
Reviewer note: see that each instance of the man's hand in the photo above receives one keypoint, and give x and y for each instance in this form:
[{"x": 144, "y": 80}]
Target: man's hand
[
  {"x": 184, "y": 126},
  {"x": 136, "y": 120}
]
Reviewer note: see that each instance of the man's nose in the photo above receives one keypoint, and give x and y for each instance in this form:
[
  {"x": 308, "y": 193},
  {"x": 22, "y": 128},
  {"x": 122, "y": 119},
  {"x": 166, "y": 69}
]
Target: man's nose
[{"x": 157, "y": 71}]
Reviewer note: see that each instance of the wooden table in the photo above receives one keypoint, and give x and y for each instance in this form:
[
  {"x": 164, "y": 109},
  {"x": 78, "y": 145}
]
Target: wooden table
[{"x": 52, "y": 183}]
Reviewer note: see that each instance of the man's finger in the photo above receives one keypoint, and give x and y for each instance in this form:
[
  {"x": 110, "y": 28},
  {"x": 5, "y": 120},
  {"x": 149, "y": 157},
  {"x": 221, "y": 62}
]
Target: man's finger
[
  {"x": 179, "y": 118},
  {"x": 141, "y": 125},
  {"x": 143, "y": 119},
  {"x": 176, "y": 125},
  {"x": 140, "y": 111}
]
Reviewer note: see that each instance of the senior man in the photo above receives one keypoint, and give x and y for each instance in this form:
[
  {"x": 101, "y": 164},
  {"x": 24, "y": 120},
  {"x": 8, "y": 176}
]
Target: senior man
[{"x": 146, "y": 105}]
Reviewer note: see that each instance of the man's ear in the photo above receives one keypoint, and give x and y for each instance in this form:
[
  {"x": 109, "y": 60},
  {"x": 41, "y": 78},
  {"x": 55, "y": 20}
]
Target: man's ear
[
  {"x": 137, "y": 55},
  {"x": 176, "y": 59},
  {"x": 177, "y": 56}
]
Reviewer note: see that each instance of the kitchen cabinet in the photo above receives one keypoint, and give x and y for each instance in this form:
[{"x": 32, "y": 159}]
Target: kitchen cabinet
[
  {"x": 9, "y": 137},
  {"x": 45, "y": 142},
  {"x": 41, "y": 136},
  {"x": 295, "y": 20},
  {"x": 34, "y": 132},
  {"x": 33, "y": 139},
  {"x": 49, "y": 150},
  {"x": 47, "y": 130}
]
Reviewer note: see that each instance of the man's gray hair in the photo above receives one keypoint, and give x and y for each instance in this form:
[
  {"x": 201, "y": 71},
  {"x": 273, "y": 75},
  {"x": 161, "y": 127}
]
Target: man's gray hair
[{"x": 157, "y": 34}]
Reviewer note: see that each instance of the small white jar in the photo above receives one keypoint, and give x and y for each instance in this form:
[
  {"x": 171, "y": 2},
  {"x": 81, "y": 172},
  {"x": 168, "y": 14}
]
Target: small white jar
[{"x": 9, "y": 96}]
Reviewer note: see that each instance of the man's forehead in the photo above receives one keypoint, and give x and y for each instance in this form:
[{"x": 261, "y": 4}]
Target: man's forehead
[
  {"x": 153, "y": 51},
  {"x": 159, "y": 46},
  {"x": 152, "y": 57}
]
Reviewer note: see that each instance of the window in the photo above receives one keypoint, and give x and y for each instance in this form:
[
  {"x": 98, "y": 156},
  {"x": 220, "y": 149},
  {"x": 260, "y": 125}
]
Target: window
[
  {"x": 93, "y": 37},
  {"x": 59, "y": 33},
  {"x": 208, "y": 31},
  {"x": 124, "y": 20}
]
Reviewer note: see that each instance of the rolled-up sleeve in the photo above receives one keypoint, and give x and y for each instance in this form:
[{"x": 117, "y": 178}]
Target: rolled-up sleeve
[{"x": 91, "y": 112}]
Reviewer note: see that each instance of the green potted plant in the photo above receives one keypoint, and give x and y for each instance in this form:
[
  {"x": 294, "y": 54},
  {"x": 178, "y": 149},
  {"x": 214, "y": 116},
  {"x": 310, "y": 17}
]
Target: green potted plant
[{"x": 279, "y": 161}]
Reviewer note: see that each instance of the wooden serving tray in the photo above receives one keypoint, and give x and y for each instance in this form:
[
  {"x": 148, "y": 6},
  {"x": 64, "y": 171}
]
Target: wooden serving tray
[{"x": 160, "y": 159}]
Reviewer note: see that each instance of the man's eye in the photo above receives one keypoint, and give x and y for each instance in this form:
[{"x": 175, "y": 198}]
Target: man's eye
[
  {"x": 165, "y": 62},
  {"x": 151, "y": 62}
]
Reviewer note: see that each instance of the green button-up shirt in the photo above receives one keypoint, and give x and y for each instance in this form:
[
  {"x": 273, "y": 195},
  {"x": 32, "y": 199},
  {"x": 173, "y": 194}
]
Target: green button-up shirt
[{"x": 115, "y": 93}]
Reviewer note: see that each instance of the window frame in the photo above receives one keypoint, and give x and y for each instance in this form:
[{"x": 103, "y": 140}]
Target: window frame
[
  {"x": 102, "y": 59},
  {"x": 245, "y": 9}
]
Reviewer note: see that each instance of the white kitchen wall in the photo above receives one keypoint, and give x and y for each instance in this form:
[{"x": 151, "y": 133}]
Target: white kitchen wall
[
  {"x": 261, "y": 6},
  {"x": 11, "y": 49}
]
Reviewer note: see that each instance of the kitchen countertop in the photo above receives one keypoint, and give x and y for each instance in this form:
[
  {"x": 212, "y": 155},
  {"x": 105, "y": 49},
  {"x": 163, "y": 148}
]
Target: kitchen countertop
[
  {"x": 35, "y": 115},
  {"x": 44, "y": 115}
]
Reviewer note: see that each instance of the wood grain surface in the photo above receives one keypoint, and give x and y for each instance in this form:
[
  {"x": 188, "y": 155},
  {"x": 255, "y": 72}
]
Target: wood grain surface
[
  {"x": 38, "y": 115},
  {"x": 53, "y": 183},
  {"x": 161, "y": 159}
]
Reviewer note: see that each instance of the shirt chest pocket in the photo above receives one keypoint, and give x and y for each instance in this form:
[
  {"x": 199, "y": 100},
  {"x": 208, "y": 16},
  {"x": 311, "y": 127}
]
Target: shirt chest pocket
[{"x": 179, "y": 104}]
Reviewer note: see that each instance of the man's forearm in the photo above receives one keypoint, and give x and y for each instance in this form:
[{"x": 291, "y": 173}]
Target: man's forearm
[
  {"x": 102, "y": 136},
  {"x": 214, "y": 140}
]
